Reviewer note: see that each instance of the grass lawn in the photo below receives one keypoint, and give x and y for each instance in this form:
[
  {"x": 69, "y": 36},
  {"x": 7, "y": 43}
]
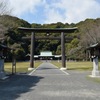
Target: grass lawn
[
  {"x": 20, "y": 66},
  {"x": 82, "y": 66}
]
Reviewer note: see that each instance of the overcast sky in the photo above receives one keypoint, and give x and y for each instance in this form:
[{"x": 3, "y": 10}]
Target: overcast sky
[{"x": 52, "y": 11}]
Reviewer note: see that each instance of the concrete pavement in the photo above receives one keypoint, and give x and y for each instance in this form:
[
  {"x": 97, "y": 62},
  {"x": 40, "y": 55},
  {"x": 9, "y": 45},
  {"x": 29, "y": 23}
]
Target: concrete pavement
[{"x": 50, "y": 83}]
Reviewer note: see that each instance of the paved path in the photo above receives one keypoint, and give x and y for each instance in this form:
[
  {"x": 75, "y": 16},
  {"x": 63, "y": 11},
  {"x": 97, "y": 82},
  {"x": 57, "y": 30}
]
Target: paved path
[{"x": 49, "y": 83}]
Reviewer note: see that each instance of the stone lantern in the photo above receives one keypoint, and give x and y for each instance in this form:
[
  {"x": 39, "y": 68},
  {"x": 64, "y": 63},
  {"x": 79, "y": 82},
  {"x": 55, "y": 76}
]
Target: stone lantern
[
  {"x": 95, "y": 54},
  {"x": 2, "y": 74},
  {"x": 3, "y": 51}
]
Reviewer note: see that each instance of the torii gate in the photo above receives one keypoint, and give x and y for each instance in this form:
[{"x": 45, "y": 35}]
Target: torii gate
[{"x": 48, "y": 30}]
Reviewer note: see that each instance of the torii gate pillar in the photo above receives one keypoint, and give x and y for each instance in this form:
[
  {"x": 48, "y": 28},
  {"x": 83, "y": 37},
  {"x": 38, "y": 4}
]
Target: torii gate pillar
[
  {"x": 63, "y": 51},
  {"x": 45, "y": 30},
  {"x": 32, "y": 51}
]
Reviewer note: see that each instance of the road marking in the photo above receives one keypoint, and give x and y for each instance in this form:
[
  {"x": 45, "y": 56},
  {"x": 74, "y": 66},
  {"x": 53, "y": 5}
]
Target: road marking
[
  {"x": 34, "y": 70},
  {"x": 51, "y": 64},
  {"x": 61, "y": 70},
  {"x": 65, "y": 72}
]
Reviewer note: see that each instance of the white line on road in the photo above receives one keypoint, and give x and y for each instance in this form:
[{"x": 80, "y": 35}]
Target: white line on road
[
  {"x": 65, "y": 72},
  {"x": 61, "y": 70},
  {"x": 34, "y": 70},
  {"x": 51, "y": 64}
]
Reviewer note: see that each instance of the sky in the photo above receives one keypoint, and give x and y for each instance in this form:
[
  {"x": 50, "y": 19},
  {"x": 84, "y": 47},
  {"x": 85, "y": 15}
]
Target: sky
[{"x": 53, "y": 11}]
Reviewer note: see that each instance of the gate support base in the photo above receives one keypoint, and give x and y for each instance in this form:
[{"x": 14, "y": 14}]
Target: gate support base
[
  {"x": 63, "y": 68},
  {"x": 30, "y": 69}
]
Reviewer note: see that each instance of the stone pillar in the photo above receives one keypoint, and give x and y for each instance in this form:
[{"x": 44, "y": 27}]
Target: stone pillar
[
  {"x": 63, "y": 51},
  {"x": 13, "y": 63},
  {"x": 2, "y": 73},
  {"x": 95, "y": 71},
  {"x": 32, "y": 51},
  {"x": 1, "y": 65},
  {"x": 58, "y": 59}
]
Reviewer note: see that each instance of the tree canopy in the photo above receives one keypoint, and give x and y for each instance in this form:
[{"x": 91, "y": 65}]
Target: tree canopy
[{"x": 87, "y": 34}]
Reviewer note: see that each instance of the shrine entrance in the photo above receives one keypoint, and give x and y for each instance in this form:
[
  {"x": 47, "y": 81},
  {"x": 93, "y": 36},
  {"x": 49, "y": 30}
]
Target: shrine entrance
[{"x": 48, "y": 30}]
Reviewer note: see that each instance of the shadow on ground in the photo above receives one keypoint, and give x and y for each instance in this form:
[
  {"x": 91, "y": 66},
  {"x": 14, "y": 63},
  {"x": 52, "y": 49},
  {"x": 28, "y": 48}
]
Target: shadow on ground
[{"x": 16, "y": 85}]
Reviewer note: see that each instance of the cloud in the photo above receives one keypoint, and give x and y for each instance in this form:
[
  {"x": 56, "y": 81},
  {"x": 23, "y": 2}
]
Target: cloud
[
  {"x": 53, "y": 16},
  {"x": 66, "y": 11},
  {"x": 23, "y": 6},
  {"x": 73, "y": 10}
]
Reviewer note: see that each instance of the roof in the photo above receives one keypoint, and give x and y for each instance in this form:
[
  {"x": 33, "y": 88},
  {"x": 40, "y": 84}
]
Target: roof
[
  {"x": 96, "y": 45},
  {"x": 46, "y": 54},
  {"x": 46, "y": 30},
  {"x": 5, "y": 47},
  {"x": 57, "y": 56}
]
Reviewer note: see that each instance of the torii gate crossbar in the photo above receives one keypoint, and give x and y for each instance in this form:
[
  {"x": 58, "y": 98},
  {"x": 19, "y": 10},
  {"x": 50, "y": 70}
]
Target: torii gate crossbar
[{"x": 48, "y": 30}]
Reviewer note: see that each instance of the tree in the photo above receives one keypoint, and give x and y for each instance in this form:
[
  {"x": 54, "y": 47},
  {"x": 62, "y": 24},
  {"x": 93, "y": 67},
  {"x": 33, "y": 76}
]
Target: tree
[
  {"x": 4, "y": 9},
  {"x": 58, "y": 50},
  {"x": 91, "y": 33}
]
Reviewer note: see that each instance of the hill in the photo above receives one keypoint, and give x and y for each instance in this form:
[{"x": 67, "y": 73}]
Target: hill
[{"x": 87, "y": 34}]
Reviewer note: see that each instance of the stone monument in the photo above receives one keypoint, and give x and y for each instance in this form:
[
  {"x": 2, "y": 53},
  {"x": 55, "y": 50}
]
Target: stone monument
[
  {"x": 95, "y": 54},
  {"x": 2, "y": 73}
]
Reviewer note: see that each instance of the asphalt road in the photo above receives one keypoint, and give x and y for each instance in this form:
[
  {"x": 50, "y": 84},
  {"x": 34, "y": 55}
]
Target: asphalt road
[{"x": 50, "y": 83}]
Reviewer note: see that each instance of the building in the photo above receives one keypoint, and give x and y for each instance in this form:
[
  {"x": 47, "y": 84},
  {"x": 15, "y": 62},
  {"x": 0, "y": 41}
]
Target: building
[{"x": 46, "y": 55}]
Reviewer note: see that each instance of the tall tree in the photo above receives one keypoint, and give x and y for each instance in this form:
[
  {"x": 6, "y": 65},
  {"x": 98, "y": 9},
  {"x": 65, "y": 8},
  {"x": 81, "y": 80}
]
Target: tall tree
[
  {"x": 91, "y": 33},
  {"x": 4, "y": 9}
]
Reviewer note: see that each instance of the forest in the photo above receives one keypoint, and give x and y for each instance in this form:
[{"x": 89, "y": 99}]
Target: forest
[{"x": 88, "y": 33}]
